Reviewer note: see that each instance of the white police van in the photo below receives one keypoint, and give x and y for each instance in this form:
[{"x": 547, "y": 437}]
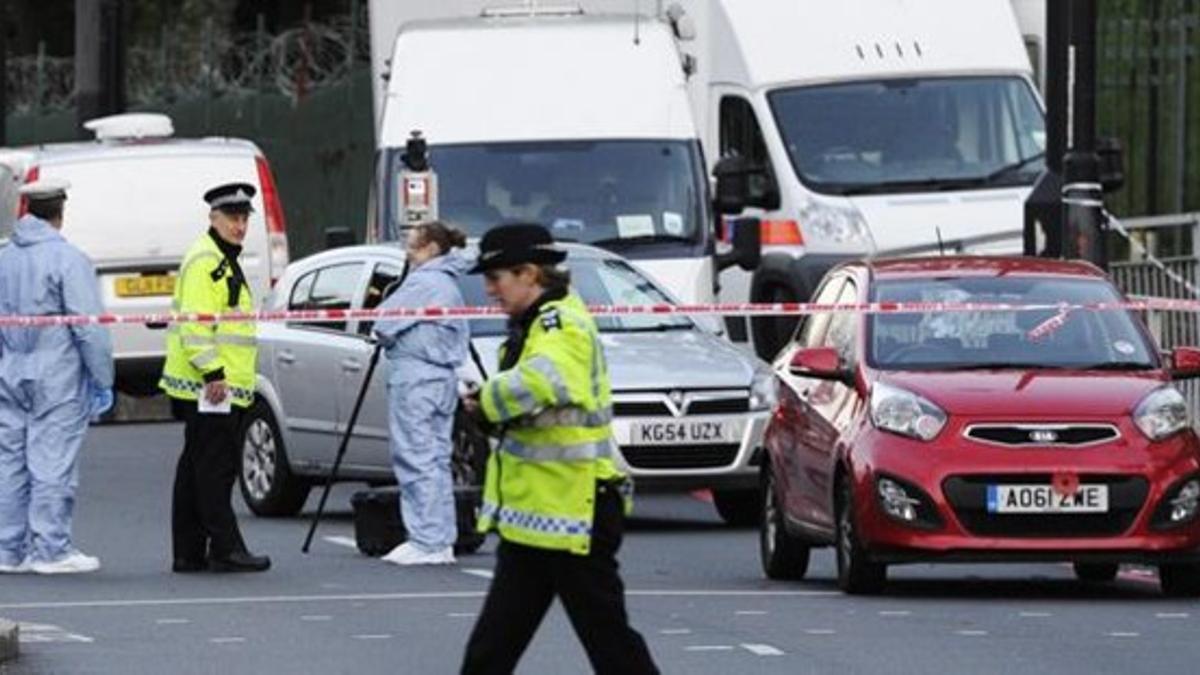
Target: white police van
[{"x": 135, "y": 205}]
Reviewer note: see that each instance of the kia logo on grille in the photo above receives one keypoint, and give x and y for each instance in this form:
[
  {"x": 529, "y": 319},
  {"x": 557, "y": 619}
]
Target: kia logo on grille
[{"x": 1043, "y": 436}]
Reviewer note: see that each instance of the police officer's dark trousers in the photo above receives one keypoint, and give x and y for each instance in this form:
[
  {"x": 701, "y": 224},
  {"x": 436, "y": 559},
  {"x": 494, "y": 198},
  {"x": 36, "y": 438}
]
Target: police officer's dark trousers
[
  {"x": 527, "y": 580},
  {"x": 203, "y": 524}
]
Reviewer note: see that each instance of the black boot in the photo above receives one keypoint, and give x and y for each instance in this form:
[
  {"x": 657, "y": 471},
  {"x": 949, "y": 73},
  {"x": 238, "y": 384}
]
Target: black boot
[{"x": 239, "y": 561}]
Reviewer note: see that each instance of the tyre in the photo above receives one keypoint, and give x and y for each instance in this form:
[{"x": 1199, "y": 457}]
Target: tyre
[
  {"x": 1096, "y": 573},
  {"x": 783, "y": 556},
  {"x": 856, "y": 574},
  {"x": 1180, "y": 580},
  {"x": 771, "y": 333},
  {"x": 740, "y": 508},
  {"x": 266, "y": 479}
]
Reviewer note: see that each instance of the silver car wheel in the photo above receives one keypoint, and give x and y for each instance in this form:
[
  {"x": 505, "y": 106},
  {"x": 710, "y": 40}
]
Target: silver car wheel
[{"x": 258, "y": 459}]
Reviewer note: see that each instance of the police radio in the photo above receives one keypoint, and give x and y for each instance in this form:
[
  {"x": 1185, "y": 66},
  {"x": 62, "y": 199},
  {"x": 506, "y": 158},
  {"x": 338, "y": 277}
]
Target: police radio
[{"x": 418, "y": 184}]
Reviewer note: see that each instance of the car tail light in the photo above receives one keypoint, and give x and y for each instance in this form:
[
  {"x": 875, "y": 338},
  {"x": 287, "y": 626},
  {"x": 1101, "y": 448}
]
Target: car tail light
[
  {"x": 277, "y": 244},
  {"x": 30, "y": 176},
  {"x": 781, "y": 233}
]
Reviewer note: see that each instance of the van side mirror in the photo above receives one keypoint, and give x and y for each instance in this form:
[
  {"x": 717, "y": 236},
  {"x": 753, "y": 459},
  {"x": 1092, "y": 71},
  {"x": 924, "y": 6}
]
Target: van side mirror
[
  {"x": 1185, "y": 363},
  {"x": 1112, "y": 163},
  {"x": 337, "y": 237},
  {"x": 820, "y": 363},
  {"x": 741, "y": 184},
  {"x": 747, "y": 245}
]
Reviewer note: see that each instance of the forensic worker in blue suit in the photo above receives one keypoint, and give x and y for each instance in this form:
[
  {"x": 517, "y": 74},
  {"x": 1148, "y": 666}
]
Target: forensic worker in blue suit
[
  {"x": 423, "y": 393},
  {"x": 52, "y": 381}
]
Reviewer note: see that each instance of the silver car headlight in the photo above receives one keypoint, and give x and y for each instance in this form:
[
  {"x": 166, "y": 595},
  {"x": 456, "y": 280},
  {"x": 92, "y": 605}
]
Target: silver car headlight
[
  {"x": 902, "y": 412},
  {"x": 762, "y": 391},
  {"x": 836, "y": 223},
  {"x": 1161, "y": 413}
]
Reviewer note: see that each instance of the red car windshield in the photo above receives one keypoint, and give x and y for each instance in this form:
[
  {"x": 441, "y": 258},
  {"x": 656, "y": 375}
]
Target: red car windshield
[{"x": 1048, "y": 338}]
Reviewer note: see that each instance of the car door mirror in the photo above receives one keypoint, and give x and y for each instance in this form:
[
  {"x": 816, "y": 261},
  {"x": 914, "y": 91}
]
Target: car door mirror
[
  {"x": 820, "y": 363},
  {"x": 747, "y": 245},
  {"x": 1185, "y": 363}
]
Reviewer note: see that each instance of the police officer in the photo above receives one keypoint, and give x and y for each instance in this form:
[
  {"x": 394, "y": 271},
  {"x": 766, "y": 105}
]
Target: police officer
[
  {"x": 52, "y": 379},
  {"x": 209, "y": 375},
  {"x": 552, "y": 490}
]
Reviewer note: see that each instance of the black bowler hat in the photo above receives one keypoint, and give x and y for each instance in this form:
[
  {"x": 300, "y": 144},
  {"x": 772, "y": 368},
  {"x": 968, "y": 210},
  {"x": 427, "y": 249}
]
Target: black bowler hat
[
  {"x": 517, "y": 244},
  {"x": 231, "y": 197}
]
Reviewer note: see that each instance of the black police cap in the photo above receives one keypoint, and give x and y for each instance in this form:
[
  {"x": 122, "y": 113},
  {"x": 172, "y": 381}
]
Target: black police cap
[
  {"x": 231, "y": 197},
  {"x": 516, "y": 244}
]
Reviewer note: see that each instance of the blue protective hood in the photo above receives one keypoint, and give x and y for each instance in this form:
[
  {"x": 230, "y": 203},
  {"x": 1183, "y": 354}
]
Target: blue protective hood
[{"x": 31, "y": 230}]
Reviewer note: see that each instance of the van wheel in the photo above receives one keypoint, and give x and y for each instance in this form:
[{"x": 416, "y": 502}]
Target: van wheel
[
  {"x": 739, "y": 508},
  {"x": 266, "y": 479},
  {"x": 1096, "y": 573},
  {"x": 1180, "y": 580},
  {"x": 771, "y": 333},
  {"x": 856, "y": 574},
  {"x": 783, "y": 556}
]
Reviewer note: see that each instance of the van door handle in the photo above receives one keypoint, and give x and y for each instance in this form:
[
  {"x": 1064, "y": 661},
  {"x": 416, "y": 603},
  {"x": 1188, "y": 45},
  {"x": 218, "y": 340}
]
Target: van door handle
[
  {"x": 351, "y": 365},
  {"x": 285, "y": 357}
]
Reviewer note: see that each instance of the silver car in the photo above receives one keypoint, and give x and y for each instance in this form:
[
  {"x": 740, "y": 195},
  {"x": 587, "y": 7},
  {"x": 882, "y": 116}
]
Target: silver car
[{"x": 689, "y": 407}]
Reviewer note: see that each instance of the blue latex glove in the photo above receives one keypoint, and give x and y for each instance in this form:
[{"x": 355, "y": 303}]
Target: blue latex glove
[{"x": 101, "y": 401}]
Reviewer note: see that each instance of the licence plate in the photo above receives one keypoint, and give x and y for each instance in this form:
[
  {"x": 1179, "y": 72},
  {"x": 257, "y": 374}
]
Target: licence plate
[
  {"x": 143, "y": 286},
  {"x": 1043, "y": 499},
  {"x": 682, "y": 432}
]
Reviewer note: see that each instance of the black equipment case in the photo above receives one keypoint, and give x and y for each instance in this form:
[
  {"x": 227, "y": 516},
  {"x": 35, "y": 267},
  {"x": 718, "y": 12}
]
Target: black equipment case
[{"x": 379, "y": 526}]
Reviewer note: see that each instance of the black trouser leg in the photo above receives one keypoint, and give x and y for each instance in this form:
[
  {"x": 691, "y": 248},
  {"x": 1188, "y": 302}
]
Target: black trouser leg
[
  {"x": 189, "y": 540},
  {"x": 212, "y": 446},
  {"x": 517, "y": 601},
  {"x": 594, "y": 596}
]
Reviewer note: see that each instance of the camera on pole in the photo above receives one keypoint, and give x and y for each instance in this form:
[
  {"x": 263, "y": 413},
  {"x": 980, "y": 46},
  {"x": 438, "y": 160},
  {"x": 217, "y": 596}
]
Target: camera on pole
[{"x": 418, "y": 184}]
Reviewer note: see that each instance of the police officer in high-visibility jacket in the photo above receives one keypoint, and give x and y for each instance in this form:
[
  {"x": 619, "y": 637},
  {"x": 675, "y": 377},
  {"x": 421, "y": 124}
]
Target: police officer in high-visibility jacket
[
  {"x": 209, "y": 375},
  {"x": 552, "y": 490}
]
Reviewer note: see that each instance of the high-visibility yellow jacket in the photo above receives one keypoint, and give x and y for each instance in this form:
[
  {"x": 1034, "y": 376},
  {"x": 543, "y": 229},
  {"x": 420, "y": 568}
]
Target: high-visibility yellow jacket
[
  {"x": 205, "y": 352},
  {"x": 555, "y": 404}
]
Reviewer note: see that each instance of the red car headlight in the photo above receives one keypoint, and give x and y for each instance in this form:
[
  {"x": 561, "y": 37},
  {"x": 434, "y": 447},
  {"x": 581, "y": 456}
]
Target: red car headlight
[{"x": 902, "y": 412}]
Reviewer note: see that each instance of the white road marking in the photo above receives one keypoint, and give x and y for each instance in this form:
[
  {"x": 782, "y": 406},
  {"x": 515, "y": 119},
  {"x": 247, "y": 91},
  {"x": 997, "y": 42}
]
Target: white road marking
[
  {"x": 172, "y": 622},
  {"x": 316, "y": 617},
  {"x": 1035, "y": 615},
  {"x": 750, "y": 612},
  {"x": 709, "y": 648},
  {"x": 762, "y": 650},
  {"x": 477, "y": 572},
  {"x": 1172, "y": 615},
  {"x": 348, "y": 542},
  {"x": 29, "y": 633},
  {"x": 383, "y": 636},
  {"x": 461, "y": 615},
  {"x": 675, "y": 631},
  {"x": 358, "y": 598},
  {"x": 820, "y": 631},
  {"x": 897, "y": 612},
  {"x": 1119, "y": 634},
  {"x": 971, "y": 633},
  {"x": 226, "y": 640}
]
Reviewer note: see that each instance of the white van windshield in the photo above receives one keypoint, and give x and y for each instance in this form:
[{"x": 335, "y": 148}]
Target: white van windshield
[
  {"x": 608, "y": 193},
  {"x": 912, "y": 134}
]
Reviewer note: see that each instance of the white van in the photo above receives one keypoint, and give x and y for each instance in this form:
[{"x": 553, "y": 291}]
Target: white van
[
  {"x": 579, "y": 121},
  {"x": 135, "y": 205},
  {"x": 867, "y": 127}
]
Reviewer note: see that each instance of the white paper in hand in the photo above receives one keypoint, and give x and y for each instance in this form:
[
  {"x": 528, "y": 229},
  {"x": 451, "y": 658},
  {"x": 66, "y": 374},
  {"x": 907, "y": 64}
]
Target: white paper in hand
[{"x": 222, "y": 407}]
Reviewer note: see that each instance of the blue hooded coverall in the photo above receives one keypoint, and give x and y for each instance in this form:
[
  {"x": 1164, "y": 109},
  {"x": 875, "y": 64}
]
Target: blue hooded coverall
[
  {"x": 46, "y": 376},
  {"x": 422, "y": 398}
]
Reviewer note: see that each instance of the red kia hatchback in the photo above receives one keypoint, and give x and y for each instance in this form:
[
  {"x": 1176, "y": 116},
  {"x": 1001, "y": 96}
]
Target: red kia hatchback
[{"x": 1025, "y": 435}]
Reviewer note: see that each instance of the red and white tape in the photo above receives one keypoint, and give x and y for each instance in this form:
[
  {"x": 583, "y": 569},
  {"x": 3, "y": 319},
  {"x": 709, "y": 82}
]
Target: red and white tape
[{"x": 709, "y": 309}]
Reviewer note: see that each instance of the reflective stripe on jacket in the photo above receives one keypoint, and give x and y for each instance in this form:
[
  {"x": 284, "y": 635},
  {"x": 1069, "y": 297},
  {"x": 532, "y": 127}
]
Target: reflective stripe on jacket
[
  {"x": 556, "y": 406},
  {"x": 195, "y": 350}
]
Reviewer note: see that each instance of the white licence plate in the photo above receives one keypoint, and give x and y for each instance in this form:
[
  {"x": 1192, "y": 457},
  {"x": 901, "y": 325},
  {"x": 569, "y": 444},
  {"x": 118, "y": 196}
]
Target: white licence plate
[
  {"x": 683, "y": 432},
  {"x": 1043, "y": 499}
]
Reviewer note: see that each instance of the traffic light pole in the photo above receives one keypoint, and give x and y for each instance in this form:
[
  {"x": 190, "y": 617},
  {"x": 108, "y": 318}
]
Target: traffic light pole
[{"x": 1082, "y": 193}]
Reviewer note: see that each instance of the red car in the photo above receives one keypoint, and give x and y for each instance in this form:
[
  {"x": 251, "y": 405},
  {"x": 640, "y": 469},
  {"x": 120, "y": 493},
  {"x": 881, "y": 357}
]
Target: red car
[{"x": 1023, "y": 436}]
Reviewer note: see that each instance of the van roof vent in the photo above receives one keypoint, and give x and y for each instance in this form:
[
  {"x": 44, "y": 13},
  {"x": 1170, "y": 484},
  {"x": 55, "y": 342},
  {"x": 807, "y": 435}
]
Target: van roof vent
[
  {"x": 131, "y": 126},
  {"x": 531, "y": 8}
]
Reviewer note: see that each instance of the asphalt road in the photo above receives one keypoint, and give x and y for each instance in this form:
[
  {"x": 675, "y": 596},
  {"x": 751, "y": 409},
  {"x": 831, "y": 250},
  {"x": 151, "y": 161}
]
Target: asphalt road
[{"x": 695, "y": 592}]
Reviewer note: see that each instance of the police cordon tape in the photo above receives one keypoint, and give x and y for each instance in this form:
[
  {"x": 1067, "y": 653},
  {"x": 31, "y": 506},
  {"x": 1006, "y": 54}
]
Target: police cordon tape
[{"x": 491, "y": 312}]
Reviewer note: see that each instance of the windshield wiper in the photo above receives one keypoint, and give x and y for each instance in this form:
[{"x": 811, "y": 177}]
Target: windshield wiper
[
  {"x": 1006, "y": 365},
  {"x": 919, "y": 184},
  {"x": 1011, "y": 168},
  {"x": 643, "y": 239},
  {"x": 1116, "y": 365},
  {"x": 657, "y": 328}
]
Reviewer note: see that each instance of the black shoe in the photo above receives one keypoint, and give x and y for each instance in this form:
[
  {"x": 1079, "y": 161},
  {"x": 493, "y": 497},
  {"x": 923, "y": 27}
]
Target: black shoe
[
  {"x": 240, "y": 561},
  {"x": 187, "y": 565}
]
